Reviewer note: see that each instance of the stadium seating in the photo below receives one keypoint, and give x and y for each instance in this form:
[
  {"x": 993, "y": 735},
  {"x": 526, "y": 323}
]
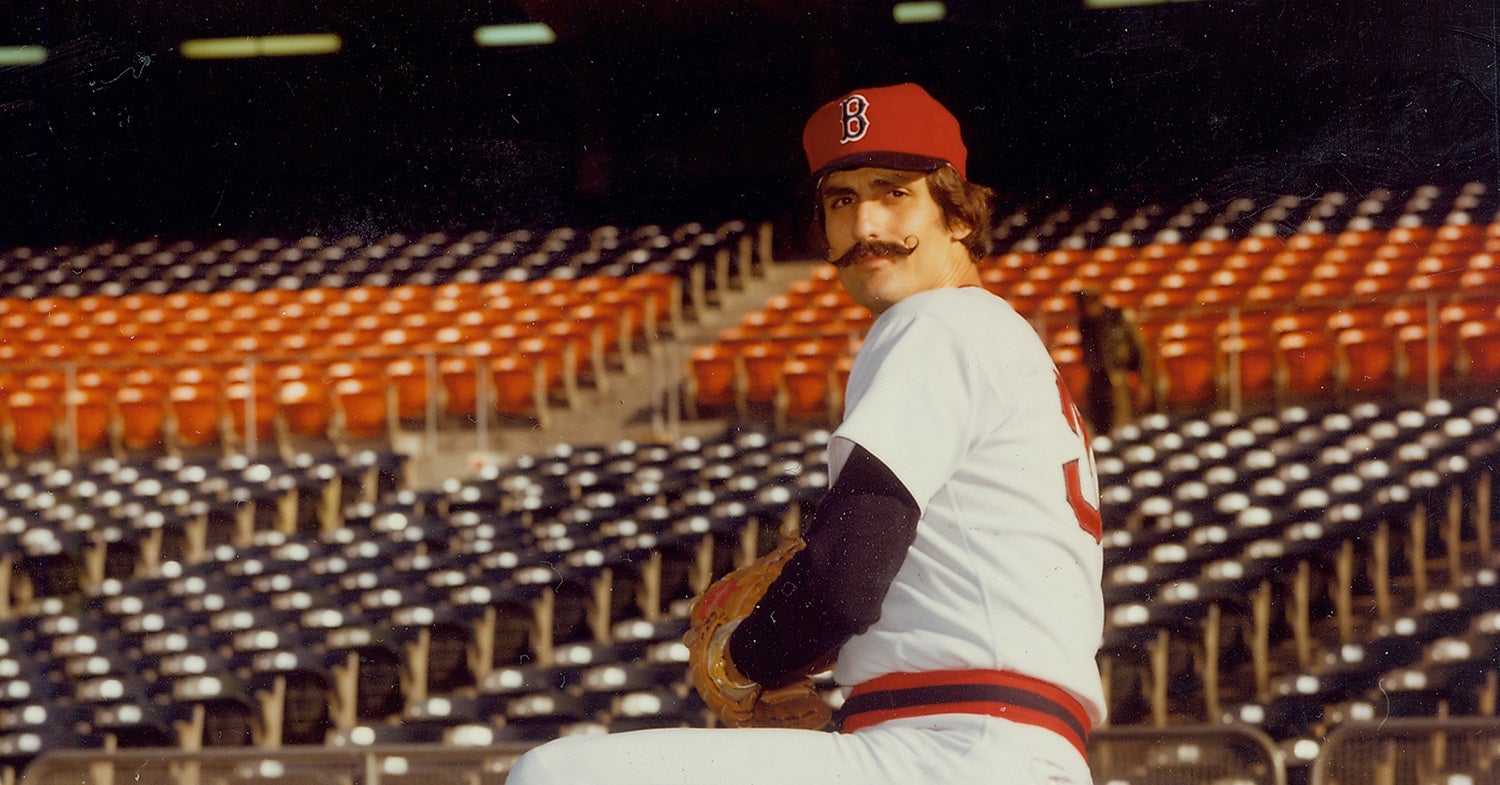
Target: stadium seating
[
  {"x": 1215, "y": 522},
  {"x": 1322, "y": 553}
]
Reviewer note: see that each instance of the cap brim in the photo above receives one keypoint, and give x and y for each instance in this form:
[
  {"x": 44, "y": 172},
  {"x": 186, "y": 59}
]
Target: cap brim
[{"x": 905, "y": 162}]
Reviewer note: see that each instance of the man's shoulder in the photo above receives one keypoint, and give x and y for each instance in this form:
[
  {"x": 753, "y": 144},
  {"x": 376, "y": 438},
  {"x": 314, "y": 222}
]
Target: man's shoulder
[
  {"x": 960, "y": 308},
  {"x": 947, "y": 300}
]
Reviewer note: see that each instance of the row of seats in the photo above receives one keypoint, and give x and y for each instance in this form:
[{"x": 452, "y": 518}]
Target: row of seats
[
  {"x": 1255, "y": 272},
  {"x": 1105, "y": 222},
  {"x": 790, "y": 356},
  {"x": 221, "y": 585},
  {"x": 550, "y": 592},
  {"x": 186, "y": 369},
  {"x": 1396, "y": 347},
  {"x": 152, "y": 267},
  {"x": 1304, "y": 569}
]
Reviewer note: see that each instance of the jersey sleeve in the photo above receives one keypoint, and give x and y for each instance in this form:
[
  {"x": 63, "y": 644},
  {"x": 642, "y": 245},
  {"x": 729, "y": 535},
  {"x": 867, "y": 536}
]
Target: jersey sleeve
[
  {"x": 833, "y": 588},
  {"x": 912, "y": 401}
]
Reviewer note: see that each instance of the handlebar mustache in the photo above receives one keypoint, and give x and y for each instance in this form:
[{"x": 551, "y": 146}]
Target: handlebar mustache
[{"x": 872, "y": 248}]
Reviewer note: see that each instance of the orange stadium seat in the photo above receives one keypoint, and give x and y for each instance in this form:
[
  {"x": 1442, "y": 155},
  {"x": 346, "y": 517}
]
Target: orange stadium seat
[
  {"x": 1094, "y": 274},
  {"x": 195, "y": 409},
  {"x": 408, "y": 381},
  {"x": 1365, "y": 317},
  {"x": 633, "y": 307},
  {"x": 1456, "y": 312},
  {"x": 305, "y": 405},
  {"x": 1480, "y": 278},
  {"x": 1479, "y": 350},
  {"x": 32, "y": 420},
  {"x": 856, "y": 319},
  {"x": 1219, "y": 295},
  {"x": 1247, "y": 263},
  {"x": 1168, "y": 299},
  {"x": 761, "y": 363},
  {"x": 1300, "y": 321},
  {"x": 1360, "y": 238},
  {"x": 1386, "y": 266},
  {"x": 1170, "y": 251},
  {"x": 585, "y": 344},
  {"x": 1378, "y": 287},
  {"x": 1194, "y": 271},
  {"x": 799, "y": 293},
  {"x": 1324, "y": 290},
  {"x": 360, "y": 402},
  {"x": 238, "y": 399},
  {"x": 142, "y": 404},
  {"x": 86, "y": 415},
  {"x": 1441, "y": 283},
  {"x": 558, "y": 361},
  {"x": 712, "y": 378},
  {"x": 1367, "y": 360},
  {"x": 520, "y": 385},
  {"x": 1186, "y": 374},
  {"x": 805, "y": 388},
  {"x": 1307, "y": 362},
  {"x": 1211, "y": 248},
  {"x": 1247, "y": 322},
  {"x": 1198, "y": 327},
  {"x": 612, "y": 323},
  {"x": 1291, "y": 272},
  {"x": 1236, "y": 278},
  {"x": 1465, "y": 237},
  {"x": 664, "y": 300},
  {"x": 1254, "y": 354},
  {"x": 1112, "y": 255},
  {"x": 1069, "y": 362},
  {"x": 1411, "y": 235},
  {"x": 1421, "y": 353},
  {"x": 1149, "y": 269},
  {"x": 1305, "y": 241},
  {"x": 1266, "y": 294},
  {"x": 1127, "y": 291},
  {"x": 1184, "y": 276},
  {"x": 996, "y": 279},
  {"x": 460, "y": 384}
]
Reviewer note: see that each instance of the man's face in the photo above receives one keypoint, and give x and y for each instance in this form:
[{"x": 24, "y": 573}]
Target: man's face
[{"x": 889, "y": 237}]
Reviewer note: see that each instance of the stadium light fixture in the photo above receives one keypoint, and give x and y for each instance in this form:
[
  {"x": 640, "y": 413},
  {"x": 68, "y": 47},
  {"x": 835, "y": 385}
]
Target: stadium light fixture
[
  {"x": 22, "y": 55},
  {"x": 919, "y": 12},
  {"x": 529, "y": 34},
  {"x": 261, "y": 46}
]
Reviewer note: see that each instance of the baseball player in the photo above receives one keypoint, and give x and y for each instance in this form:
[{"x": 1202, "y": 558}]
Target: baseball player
[{"x": 952, "y": 572}]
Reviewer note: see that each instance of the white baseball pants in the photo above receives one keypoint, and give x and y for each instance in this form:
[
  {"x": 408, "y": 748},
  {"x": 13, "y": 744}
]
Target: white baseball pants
[{"x": 947, "y": 749}]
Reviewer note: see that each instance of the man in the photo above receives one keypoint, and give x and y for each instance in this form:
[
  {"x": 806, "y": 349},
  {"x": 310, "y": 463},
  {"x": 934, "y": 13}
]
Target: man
[
  {"x": 1114, "y": 354},
  {"x": 953, "y": 568}
]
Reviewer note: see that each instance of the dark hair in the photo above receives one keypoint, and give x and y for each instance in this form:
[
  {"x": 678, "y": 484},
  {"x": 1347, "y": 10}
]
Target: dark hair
[{"x": 960, "y": 200}]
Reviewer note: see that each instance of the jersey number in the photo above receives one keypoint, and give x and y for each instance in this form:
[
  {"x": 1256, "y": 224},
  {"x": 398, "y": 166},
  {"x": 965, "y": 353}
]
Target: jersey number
[{"x": 1087, "y": 512}]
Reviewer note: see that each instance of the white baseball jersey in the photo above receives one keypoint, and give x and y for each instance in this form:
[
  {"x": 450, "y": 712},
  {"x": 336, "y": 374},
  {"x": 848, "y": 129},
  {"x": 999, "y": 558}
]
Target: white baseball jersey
[
  {"x": 953, "y": 392},
  {"x": 956, "y": 394}
]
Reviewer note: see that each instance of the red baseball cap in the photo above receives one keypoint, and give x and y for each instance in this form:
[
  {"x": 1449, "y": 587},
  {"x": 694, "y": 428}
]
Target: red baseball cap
[{"x": 897, "y": 127}]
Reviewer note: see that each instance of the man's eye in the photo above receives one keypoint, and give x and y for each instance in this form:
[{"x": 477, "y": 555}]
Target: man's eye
[{"x": 839, "y": 201}]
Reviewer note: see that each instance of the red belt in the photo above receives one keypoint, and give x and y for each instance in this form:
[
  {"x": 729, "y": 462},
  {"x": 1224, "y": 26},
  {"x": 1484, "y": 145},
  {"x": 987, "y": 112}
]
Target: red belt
[{"x": 989, "y": 692}]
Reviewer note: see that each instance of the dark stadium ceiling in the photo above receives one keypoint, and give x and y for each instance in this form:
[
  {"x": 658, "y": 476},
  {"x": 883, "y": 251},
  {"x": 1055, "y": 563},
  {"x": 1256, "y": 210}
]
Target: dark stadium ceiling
[
  {"x": 694, "y": 105},
  {"x": 574, "y": 20}
]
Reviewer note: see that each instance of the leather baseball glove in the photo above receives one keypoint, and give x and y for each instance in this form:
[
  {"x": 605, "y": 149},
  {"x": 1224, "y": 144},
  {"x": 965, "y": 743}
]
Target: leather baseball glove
[{"x": 738, "y": 701}]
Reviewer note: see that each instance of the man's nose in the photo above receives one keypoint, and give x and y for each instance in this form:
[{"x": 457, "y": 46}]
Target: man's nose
[{"x": 869, "y": 220}]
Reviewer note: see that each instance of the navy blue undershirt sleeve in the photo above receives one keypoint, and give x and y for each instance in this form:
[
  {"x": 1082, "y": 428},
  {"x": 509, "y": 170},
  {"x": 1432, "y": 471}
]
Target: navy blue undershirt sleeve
[{"x": 831, "y": 590}]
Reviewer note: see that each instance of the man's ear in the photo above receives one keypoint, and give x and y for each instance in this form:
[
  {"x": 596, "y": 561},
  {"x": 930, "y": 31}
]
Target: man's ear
[{"x": 959, "y": 228}]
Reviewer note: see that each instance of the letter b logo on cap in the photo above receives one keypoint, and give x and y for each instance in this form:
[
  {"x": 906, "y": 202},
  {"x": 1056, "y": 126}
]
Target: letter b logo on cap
[{"x": 855, "y": 123}]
